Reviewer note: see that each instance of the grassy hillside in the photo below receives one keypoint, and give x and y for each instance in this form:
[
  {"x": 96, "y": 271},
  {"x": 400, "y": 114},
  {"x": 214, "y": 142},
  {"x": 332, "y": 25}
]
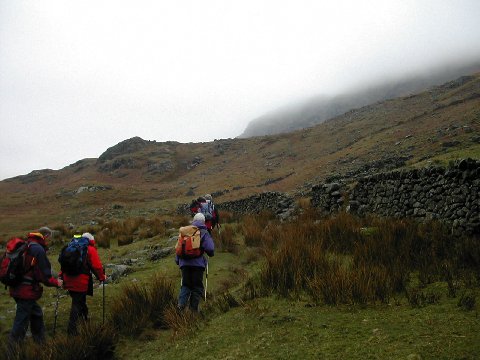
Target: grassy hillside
[
  {"x": 334, "y": 290},
  {"x": 138, "y": 177}
]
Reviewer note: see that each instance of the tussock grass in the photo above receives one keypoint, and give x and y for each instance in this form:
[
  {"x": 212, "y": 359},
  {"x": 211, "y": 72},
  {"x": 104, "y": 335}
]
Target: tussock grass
[
  {"x": 141, "y": 306},
  {"x": 252, "y": 231},
  {"x": 185, "y": 321},
  {"x": 226, "y": 217},
  {"x": 225, "y": 239},
  {"x": 181, "y": 322},
  {"x": 467, "y": 301},
  {"x": 124, "y": 231},
  {"x": 253, "y": 227},
  {"x": 226, "y": 301},
  {"x": 94, "y": 341},
  {"x": 339, "y": 261}
]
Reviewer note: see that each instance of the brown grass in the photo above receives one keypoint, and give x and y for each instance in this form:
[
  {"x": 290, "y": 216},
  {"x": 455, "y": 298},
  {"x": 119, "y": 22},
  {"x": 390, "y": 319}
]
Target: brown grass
[
  {"x": 94, "y": 341},
  {"x": 339, "y": 260},
  {"x": 181, "y": 322},
  {"x": 142, "y": 306},
  {"x": 225, "y": 239}
]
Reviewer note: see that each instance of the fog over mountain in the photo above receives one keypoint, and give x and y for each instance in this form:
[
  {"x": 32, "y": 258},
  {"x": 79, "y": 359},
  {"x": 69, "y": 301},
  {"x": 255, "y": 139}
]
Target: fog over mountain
[
  {"x": 77, "y": 77},
  {"x": 320, "y": 108}
]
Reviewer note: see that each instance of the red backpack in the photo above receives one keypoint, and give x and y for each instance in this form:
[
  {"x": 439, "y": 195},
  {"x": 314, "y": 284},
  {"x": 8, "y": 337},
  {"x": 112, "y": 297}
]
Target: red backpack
[
  {"x": 189, "y": 243},
  {"x": 12, "y": 266}
]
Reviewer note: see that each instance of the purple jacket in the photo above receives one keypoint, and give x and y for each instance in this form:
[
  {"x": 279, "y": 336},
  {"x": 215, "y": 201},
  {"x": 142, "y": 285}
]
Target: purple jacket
[{"x": 207, "y": 244}]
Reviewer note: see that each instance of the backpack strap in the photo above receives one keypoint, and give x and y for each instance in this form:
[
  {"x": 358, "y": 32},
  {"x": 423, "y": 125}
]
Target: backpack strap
[{"x": 28, "y": 265}]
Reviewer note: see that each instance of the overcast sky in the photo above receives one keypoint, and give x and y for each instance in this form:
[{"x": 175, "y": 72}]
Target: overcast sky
[{"x": 77, "y": 77}]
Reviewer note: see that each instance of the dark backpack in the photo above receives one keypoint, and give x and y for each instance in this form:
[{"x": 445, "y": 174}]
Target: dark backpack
[
  {"x": 194, "y": 206},
  {"x": 73, "y": 257},
  {"x": 13, "y": 267}
]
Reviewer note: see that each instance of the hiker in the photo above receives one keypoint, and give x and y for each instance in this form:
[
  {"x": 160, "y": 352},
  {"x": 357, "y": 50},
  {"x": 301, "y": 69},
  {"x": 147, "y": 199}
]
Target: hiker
[
  {"x": 80, "y": 285},
  {"x": 195, "y": 206},
  {"x": 215, "y": 221},
  {"x": 204, "y": 205},
  {"x": 192, "y": 268},
  {"x": 37, "y": 270}
]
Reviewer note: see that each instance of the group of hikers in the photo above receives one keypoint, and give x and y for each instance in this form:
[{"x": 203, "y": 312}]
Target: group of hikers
[{"x": 25, "y": 267}]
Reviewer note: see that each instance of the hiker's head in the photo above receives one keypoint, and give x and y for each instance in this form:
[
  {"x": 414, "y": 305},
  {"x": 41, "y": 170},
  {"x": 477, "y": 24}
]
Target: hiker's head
[
  {"x": 199, "y": 217},
  {"x": 208, "y": 197},
  {"x": 45, "y": 231},
  {"x": 88, "y": 236},
  {"x": 39, "y": 237},
  {"x": 201, "y": 199}
]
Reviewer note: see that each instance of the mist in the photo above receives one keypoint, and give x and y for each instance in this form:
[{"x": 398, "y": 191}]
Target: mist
[
  {"x": 317, "y": 109},
  {"x": 78, "y": 77}
]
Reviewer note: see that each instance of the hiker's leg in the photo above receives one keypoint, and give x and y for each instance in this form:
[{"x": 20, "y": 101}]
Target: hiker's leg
[
  {"x": 36, "y": 323},
  {"x": 22, "y": 317},
  {"x": 82, "y": 305},
  {"x": 75, "y": 311},
  {"x": 85, "y": 307},
  {"x": 185, "y": 290},
  {"x": 197, "y": 287}
]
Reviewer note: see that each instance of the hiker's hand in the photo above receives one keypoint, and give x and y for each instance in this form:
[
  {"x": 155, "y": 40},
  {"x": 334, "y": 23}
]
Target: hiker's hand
[{"x": 60, "y": 282}]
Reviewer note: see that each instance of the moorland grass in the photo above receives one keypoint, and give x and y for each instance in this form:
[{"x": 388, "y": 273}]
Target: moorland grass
[{"x": 310, "y": 288}]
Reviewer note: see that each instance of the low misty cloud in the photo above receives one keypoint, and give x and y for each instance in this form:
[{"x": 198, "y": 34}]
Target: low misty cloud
[{"x": 78, "y": 77}]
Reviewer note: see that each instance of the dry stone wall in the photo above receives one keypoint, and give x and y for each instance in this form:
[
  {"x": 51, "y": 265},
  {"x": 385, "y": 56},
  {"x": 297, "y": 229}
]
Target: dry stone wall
[
  {"x": 280, "y": 204},
  {"x": 449, "y": 194}
]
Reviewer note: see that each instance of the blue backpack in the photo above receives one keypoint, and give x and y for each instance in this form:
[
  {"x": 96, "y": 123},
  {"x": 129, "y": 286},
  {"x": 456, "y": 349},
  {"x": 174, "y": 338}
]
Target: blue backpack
[
  {"x": 207, "y": 209},
  {"x": 73, "y": 257}
]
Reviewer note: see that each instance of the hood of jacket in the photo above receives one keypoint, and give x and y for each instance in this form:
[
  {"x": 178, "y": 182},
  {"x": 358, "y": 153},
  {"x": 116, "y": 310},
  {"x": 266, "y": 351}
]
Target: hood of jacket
[
  {"x": 199, "y": 224},
  {"x": 38, "y": 238}
]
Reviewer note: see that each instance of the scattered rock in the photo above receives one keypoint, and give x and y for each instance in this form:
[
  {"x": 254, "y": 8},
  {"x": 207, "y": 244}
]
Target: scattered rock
[
  {"x": 117, "y": 271},
  {"x": 449, "y": 144},
  {"x": 161, "y": 253}
]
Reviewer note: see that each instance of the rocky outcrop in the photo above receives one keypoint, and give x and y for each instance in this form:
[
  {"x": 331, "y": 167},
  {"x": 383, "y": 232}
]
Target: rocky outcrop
[
  {"x": 161, "y": 253},
  {"x": 449, "y": 194},
  {"x": 160, "y": 168},
  {"x": 125, "y": 147},
  {"x": 34, "y": 176},
  {"x": 119, "y": 163},
  {"x": 92, "y": 188}
]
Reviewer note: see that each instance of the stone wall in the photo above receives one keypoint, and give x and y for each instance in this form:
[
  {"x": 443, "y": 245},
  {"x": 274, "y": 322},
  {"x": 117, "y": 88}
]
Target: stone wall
[
  {"x": 279, "y": 203},
  {"x": 448, "y": 194}
]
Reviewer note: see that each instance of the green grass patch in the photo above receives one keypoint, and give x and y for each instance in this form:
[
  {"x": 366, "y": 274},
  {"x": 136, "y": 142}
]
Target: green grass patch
[{"x": 272, "y": 328}]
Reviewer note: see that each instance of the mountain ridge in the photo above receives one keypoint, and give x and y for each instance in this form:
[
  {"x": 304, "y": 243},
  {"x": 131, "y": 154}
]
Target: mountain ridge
[
  {"x": 430, "y": 127},
  {"x": 320, "y": 108}
]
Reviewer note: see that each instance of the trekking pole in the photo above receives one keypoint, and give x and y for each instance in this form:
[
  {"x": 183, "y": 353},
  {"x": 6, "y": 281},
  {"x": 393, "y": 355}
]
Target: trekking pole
[
  {"x": 103, "y": 287},
  {"x": 103, "y": 291},
  {"x": 206, "y": 282},
  {"x": 56, "y": 312}
]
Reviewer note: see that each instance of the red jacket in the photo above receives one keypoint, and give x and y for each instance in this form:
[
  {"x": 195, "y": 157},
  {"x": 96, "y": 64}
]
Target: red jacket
[
  {"x": 79, "y": 283},
  {"x": 38, "y": 268}
]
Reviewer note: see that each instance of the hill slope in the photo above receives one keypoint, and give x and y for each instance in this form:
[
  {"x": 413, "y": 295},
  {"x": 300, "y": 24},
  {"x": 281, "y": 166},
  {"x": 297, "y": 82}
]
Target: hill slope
[
  {"x": 139, "y": 176},
  {"x": 321, "y": 108}
]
